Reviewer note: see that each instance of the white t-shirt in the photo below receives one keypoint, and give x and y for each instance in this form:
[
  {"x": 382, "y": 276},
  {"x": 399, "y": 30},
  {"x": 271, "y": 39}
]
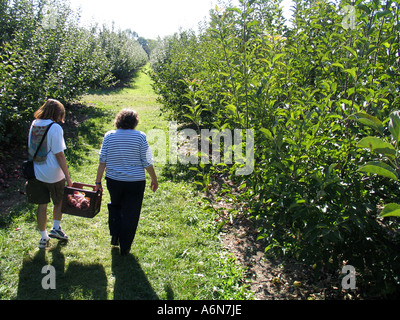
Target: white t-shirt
[{"x": 49, "y": 170}]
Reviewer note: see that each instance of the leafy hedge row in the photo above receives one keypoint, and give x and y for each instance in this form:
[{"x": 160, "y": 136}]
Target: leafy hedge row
[
  {"x": 45, "y": 54},
  {"x": 300, "y": 88}
]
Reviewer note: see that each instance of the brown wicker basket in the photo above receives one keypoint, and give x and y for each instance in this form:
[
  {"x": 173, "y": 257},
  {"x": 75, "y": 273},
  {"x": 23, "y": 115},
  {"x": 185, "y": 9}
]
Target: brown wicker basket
[{"x": 85, "y": 203}]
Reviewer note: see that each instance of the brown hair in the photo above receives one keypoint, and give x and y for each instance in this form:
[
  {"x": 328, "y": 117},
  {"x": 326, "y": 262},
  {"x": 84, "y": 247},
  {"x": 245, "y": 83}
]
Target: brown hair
[
  {"x": 51, "y": 109},
  {"x": 127, "y": 119}
]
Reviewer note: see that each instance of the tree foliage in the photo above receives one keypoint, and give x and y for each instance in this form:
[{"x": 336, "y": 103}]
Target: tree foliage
[
  {"x": 299, "y": 87},
  {"x": 44, "y": 53}
]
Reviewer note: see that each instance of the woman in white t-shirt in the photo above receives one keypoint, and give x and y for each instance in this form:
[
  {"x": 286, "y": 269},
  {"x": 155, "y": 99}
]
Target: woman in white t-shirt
[{"x": 50, "y": 166}]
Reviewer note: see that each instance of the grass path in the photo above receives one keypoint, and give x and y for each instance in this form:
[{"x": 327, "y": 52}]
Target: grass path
[{"x": 176, "y": 253}]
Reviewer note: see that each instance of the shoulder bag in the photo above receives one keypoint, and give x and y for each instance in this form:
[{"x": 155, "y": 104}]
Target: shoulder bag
[{"x": 27, "y": 166}]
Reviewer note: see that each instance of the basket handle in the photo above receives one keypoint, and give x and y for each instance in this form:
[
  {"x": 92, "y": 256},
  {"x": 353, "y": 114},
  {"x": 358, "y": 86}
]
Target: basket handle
[
  {"x": 81, "y": 185},
  {"x": 78, "y": 185}
]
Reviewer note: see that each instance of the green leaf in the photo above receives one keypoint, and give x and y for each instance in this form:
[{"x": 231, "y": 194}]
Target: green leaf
[
  {"x": 266, "y": 61},
  {"x": 277, "y": 57},
  {"x": 353, "y": 72},
  {"x": 231, "y": 108},
  {"x": 364, "y": 8},
  {"x": 331, "y": 168},
  {"x": 368, "y": 120},
  {"x": 267, "y": 133},
  {"x": 370, "y": 50},
  {"x": 379, "y": 168},
  {"x": 383, "y": 13},
  {"x": 394, "y": 125},
  {"x": 244, "y": 185},
  {"x": 337, "y": 64},
  {"x": 270, "y": 246},
  {"x": 377, "y": 145},
  {"x": 352, "y": 51},
  {"x": 391, "y": 210}
]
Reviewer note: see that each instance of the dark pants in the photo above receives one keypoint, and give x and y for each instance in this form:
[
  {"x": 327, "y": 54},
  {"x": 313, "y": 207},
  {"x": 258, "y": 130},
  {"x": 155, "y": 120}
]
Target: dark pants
[{"x": 124, "y": 210}]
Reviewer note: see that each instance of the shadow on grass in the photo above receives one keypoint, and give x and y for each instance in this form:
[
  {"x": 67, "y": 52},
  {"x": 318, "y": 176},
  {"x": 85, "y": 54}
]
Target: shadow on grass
[
  {"x": 82, "y": 281},
  {"x": 78, "y": 282},
  {"x": 121, "y": 85},
  {"x": 131, "y": 282}
]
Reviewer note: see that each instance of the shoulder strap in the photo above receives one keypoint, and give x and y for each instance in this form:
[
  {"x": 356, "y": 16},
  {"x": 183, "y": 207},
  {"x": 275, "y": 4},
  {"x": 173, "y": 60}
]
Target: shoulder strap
[{"x": 41, "y": 142}]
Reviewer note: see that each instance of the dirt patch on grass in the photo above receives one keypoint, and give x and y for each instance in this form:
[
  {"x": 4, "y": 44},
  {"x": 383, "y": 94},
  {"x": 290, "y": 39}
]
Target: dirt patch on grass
[
  {"x": 277, "y": 279},
  {"x": 12, "y": 184}
]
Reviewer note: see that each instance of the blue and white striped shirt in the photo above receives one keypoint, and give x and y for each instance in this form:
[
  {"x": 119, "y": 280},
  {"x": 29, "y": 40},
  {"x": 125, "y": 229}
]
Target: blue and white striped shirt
[{"x": 126, "y": 153}]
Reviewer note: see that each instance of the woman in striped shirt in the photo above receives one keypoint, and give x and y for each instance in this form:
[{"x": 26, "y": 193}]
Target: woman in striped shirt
[{"x": 125, "y": 155}]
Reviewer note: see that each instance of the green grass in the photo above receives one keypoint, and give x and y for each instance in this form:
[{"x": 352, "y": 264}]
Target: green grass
[{"x": 176, "y": 253}]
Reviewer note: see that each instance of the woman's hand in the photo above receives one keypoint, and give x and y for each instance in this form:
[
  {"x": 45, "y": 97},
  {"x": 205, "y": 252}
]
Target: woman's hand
[
  {"x": 100, "y": 172},
  {"x": 62, "y": 161},
  {"x": 154, "y": 185},
  {"x": 153, "y": 177},
  {"x": 98, "y": 187},
  {"x": 69, "y": 181}
]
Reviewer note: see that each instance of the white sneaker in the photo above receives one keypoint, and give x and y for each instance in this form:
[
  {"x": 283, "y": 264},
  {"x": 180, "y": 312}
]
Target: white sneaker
[
  {"x": 44, "y": 243},
  {"x": 58, "y": 234}
]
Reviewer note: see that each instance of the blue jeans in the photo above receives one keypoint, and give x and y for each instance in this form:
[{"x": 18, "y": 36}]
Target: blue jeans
[{"x": 124, "y": 210}]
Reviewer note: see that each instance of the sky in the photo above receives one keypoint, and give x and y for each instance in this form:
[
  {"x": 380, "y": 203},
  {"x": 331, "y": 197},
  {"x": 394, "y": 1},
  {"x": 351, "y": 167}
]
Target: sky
[{"x": 150, "y": 18}]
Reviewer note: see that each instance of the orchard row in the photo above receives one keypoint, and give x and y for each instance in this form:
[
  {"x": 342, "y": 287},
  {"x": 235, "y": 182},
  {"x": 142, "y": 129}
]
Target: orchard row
[{"x": 44, "y": 53}]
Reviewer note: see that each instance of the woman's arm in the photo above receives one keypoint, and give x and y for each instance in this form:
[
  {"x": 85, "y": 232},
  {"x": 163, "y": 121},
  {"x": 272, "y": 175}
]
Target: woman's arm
[
  {"x": 100, "y": 172},
  {"x": 62, "y": 161},
  {"x": 153, "y": 176}
]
